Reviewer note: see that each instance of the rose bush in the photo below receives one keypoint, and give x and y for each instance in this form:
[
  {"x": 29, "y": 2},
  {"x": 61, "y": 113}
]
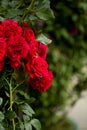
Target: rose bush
[
  {"x": 19, "y": 49},
  {"x": 23, "y": 65}
]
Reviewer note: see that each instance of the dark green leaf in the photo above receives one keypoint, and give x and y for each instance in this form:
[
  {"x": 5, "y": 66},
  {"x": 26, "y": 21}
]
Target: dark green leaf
[
  {"x": 23, "y": 97},
  {"x": 13, "y": 13},
  {"x": 14, "y": 3},
  {"x": 22, "y": 93},
  {"x": 42, "y": 38},
  {"x": 42, "y": 4},
  {"x": 36, "y": 124}
]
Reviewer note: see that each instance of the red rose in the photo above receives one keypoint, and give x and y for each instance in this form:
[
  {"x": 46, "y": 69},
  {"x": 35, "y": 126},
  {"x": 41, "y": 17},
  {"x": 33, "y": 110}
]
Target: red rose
[
  {"x": 11, "y": 28},
  {"x": 42, "y": 50},
  {"x": 17, "y": 49},
  {"x": 33, "y": 49},
  {"x": 15, "y": 63},
  {"x": 43, "y": 83},
  {"x": 1, "y": 31},
  {"x": 37, "y": 49},
  {"x": 29, "y": 35},
  {"x": 2, "y": 48},
  {"x": 37, "y": 68}
]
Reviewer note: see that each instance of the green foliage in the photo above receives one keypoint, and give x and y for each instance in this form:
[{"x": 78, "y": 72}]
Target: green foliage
[
  {"x": 27, "y": 109},
  {"x": 36, "y": 124},
  {"x": 17, "y": 111},
  {"x": 26, "y": 10},
  {"x": 28, "y": 122}
]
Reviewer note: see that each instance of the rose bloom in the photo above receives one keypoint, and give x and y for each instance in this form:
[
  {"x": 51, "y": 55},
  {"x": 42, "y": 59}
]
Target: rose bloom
[
  {"x": 17, "y": 49},
  {"x": 33, "y": 49},
  {"x": 28, "y": 34},
  {"x": 37, "y": 67},
  {"x": 2, "y": 48},
  {"x": 1, "y": 31},
  {"x": 42, "y": 50},
  {"x": 43, "y": 83},
  {"x": 2, "y": 52},
  {"x": 11, "y": 28},
  {"x": 37, "y": 49}
]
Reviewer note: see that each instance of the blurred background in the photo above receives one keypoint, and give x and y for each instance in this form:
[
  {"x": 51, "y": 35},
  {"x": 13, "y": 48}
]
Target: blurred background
[{"x": 58, "y": 108}]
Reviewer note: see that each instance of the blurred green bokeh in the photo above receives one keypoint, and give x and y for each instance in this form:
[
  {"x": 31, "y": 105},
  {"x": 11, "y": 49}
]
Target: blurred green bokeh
[{"x": 67, "y": 57}]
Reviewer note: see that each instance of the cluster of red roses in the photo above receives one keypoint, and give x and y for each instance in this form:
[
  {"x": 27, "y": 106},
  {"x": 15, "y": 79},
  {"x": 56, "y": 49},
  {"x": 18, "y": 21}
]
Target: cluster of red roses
[{"x": 18, "y": 45}]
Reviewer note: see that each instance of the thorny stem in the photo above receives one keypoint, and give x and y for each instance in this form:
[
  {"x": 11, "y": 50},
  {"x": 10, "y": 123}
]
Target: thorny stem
[
  {"x": 11, "y": 100},
  {"x": 17, "y": 86},
  {"x": 11, "y": 103}
]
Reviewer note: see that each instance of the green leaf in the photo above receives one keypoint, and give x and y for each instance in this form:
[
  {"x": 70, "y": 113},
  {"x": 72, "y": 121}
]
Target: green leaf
[
  {"x": 23, "y": 97},
  {"x": 13, "y": 13},
  {"x": 1, "y": 101},
  {"x": 28, "y": 126},
  {"x": 31, "y": 17},
  {"x": 7, "y": 94},
  {"x": 27, "y": 109},
  {"x": 14, "y": 3},
  {"x": 21, "y": 124},
  {"x": 1, "y": 116},
  {"x": 43, "y": 10},
  {"x": 22, "y": 93},
  {"x": 45, "y": 14},
  {"x": 4, "y": 3},
  {"x": 26, "y": 118},
  {"x": 36, "y": 124},
  {"x": 42, "y": 4},
  {"x": 42, "y": 38}
]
